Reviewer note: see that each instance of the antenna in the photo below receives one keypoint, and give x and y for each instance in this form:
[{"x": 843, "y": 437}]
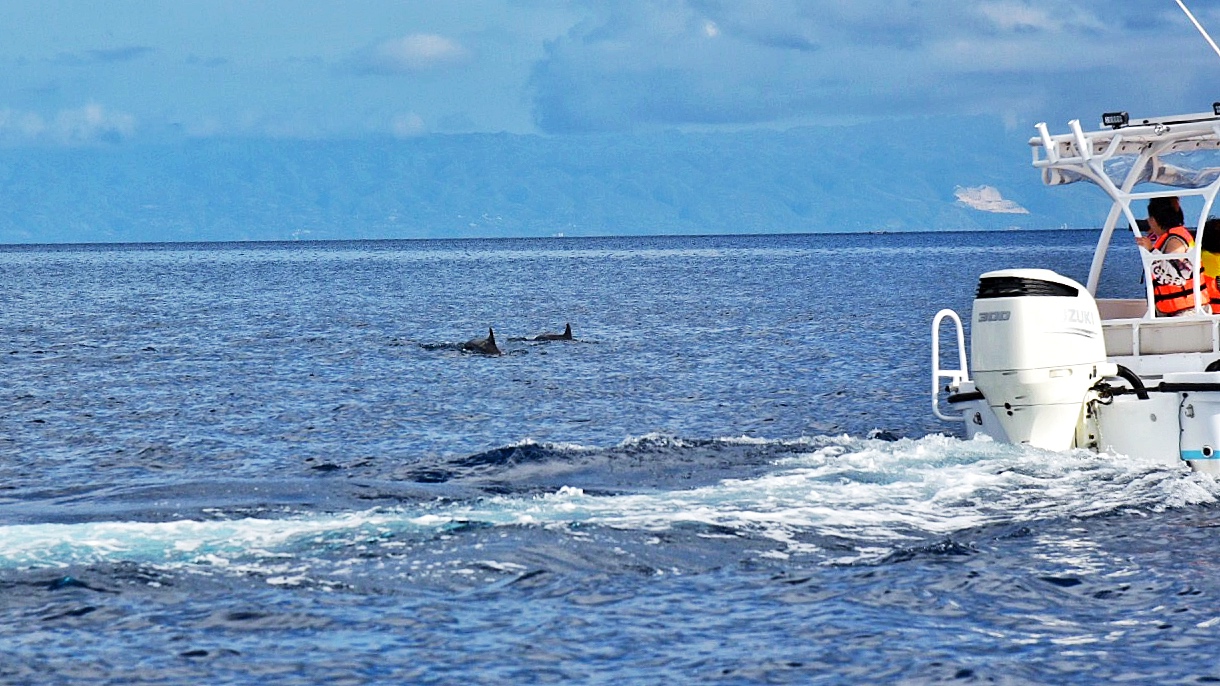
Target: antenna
[{"x": 1198, "y": 26}]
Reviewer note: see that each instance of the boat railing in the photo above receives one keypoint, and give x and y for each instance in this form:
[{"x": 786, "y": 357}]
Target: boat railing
[{"x": 955, "y": 376}]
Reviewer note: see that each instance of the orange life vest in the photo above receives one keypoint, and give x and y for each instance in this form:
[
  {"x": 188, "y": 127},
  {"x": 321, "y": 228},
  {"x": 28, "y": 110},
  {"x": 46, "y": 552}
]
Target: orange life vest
[
  {"x": 1212, "y": 288},
  {"x": 1209, "y": 266},
  {"x": 1173, "y": 281}
]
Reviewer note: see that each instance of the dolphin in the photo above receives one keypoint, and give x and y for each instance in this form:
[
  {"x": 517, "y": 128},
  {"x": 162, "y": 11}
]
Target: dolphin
[
  {"x": 565, "y": 336},
  {"x": 483, "y": 346}
]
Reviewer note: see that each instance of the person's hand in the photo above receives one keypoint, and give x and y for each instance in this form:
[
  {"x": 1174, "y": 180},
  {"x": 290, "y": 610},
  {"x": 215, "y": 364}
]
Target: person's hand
[{"x": 1144, "y": 242}]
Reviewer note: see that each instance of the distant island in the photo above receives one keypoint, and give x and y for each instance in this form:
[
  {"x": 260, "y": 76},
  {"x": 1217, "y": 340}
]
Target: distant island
[{"x": 912, "y": 175}]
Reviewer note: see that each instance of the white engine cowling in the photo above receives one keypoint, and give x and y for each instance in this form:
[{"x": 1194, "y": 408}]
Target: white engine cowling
[{"x": 1036, "y": 348}]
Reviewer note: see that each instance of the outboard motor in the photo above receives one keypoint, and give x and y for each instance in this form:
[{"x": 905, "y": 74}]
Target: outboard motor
[{"x": 1036, "y": 347}]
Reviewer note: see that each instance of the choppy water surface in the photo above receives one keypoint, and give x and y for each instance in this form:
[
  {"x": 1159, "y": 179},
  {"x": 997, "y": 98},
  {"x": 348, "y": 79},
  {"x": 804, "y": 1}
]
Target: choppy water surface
[{"x": 274, "y": 462}]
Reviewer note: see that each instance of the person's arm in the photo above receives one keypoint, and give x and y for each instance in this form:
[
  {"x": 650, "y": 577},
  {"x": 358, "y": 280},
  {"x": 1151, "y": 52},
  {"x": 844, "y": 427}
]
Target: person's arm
[{"x": 1173, "y": 244}]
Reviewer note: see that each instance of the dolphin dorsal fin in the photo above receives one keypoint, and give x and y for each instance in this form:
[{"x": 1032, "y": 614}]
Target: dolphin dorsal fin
[
  {"x": 567, "y": 330},
  {"x": 491, "y": 336}
]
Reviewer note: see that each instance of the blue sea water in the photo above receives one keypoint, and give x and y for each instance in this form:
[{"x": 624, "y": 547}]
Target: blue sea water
[{"x": 274, "y": 463}]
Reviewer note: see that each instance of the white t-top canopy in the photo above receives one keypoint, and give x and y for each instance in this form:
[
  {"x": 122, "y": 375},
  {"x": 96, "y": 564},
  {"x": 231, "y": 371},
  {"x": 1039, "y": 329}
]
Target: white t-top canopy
[{"x": 1178, "y": 151}]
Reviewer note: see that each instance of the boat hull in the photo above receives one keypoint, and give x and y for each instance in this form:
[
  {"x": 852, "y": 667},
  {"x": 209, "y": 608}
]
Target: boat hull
[{"x": 1174, "y": 427}]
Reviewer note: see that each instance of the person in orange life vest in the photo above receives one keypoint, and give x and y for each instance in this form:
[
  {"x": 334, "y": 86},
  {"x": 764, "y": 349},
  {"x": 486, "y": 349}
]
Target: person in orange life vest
[
  {"x": 1209, "y": 258},
  {"x": 1173, "y": 281}
]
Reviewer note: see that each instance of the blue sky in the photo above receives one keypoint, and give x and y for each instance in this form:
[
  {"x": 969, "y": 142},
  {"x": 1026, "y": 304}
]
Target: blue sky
[{"x": 75, "y": 72}]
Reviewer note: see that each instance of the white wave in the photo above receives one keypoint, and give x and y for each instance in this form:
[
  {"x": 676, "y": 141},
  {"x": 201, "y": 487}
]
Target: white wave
[
  {"x": 876, "y": 494},
  {"x": 206, "y": 542},
  {"x": 880, "y": 494}
]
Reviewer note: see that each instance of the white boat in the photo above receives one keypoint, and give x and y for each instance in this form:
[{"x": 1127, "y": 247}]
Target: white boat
[{"x": 1055, "y": 366}]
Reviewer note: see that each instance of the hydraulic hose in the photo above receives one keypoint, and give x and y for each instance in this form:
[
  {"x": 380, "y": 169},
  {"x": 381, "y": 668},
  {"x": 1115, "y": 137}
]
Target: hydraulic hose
[{"x": 1132, "y": 378}]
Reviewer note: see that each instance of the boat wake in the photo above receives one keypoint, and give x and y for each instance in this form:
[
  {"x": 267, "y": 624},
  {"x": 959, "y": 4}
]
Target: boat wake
[{"x": 652, "y": 504}]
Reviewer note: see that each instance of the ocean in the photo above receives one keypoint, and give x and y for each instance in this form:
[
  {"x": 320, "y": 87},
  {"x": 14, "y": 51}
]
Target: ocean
[{"x": 274, "y": 463}]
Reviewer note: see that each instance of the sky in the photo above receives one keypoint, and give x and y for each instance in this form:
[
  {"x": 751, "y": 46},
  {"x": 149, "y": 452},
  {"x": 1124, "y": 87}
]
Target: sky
[{"x": 76, "y": 72}]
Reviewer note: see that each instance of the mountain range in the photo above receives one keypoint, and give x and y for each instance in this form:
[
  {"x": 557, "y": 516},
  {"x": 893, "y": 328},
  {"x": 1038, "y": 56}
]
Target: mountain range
[{"x": 907, "y": 175}]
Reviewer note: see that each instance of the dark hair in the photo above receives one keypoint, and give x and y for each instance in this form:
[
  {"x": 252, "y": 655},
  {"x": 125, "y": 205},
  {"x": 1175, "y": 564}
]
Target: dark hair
[
  {"x": 1167, "y": 211},
  {"x": 1211, "y": 235}
]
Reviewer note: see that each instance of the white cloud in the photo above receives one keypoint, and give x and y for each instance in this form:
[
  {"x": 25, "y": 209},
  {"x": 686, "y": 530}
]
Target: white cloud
[
  {"x": 1026, "y": 16},
  {"x": 987, "y": 199},
  {"x": 1015, "y": 16},
  {"x": 20, "y": 125},
  {"x": 640, "y": 63},
  {"x": 91, "y": 123},
  {"x": 407, "y": 125},
  {"x": 417, "y": 52}
]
